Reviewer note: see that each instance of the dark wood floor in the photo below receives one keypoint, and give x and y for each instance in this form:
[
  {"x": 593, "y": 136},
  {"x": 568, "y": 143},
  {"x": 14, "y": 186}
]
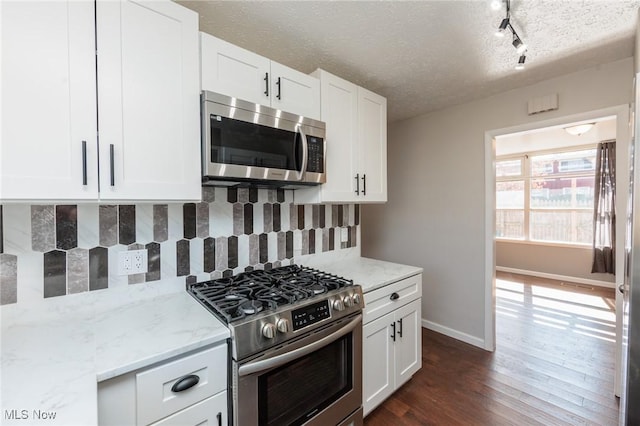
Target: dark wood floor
[{"x": 554, "y": 364}]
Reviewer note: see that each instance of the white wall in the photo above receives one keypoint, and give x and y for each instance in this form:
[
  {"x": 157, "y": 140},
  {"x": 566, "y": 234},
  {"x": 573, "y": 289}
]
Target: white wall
[{"x": 435, "y": 217}]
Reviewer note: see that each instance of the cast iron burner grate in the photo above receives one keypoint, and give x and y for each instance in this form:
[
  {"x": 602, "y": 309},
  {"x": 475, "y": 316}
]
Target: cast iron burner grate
[{"x": 249, "y": 293}]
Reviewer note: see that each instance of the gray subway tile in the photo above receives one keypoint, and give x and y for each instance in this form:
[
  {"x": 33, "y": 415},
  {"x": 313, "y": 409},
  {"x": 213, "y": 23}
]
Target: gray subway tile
[
  {"x": 293, "y": 216},
  {"x": 315, "y": 216},
  {"x": 280, "y": 195},
  {"x": 282, "y": 245},
  {"x": 248, "y": 219},
  {"x": 126, "y": 224},
  {"x": 264, "y": 248},
  {"x": 98, "y": 268},
  {"x": 301, "y": 217},
  {"x": 183, "y": 262},
  {"x": 232, "y": 195},
  {"x": 55, "y": 273},
  {"x": 66, "y": 227},
  {"x": 77, "y": 270},
  {"x": 160, "y": 222},
  {"x": 202, "y": 220},
  {"x": 254, "y": 249},
  {"x": 208, "y": 194},
  {"x": 332, "y": 238},
  {"x": 325, "y": 239},
  {"x": 322, "y": 211},
  {"x": 232, "y": 253},
  {"x": 289, "y": 245},
  {"x": 305, "y": 241},
  {"x": 108, "y": 225},
  {"x": 312, "y": 241},
  {"x": 271, "y": 196},
  {"x": 357, "y": 214},
  {"x": 222, "y": 250},
  {"x": 253, "y": 195},
  {"x": 189, "y": 220},
  {"x": 238, "y": 219},
  {"x": 243, "y": 195},
  {"x": 209, "y": 260},
  {"x": 8, "y": 279},
  {"x": 341, "y": 215},
  {"x": 43, "y": 228},
  {"x": 227, "y": 273},
  {"x": 267, "y": 217},
  {"x": 153, "y": 262},
  {"x": 277, "y": 221},
  {"x": 277, "y": 264},
  {"x": 334, "y": 215}
]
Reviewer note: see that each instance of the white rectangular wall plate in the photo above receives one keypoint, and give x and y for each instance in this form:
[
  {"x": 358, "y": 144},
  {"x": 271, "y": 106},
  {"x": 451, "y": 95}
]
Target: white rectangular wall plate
[{"x": 132, "y": 262}]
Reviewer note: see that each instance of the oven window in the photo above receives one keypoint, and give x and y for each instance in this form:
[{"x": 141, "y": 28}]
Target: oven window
[
  {"x": 295, "y": 392},
  {"x": 248, "y": 144}
]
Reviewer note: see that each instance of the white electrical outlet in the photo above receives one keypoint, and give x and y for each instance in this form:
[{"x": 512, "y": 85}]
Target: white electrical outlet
[{"x": 132, "y": 262}]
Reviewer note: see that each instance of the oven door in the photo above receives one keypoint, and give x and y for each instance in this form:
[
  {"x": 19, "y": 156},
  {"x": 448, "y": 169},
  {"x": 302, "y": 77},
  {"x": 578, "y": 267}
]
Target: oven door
[{"x": 316, "y": 380}]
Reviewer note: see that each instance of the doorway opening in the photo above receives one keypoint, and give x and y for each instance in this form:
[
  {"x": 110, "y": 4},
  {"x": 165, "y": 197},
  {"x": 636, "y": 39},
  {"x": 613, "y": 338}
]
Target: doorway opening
[{"x": 543, "y": 248}]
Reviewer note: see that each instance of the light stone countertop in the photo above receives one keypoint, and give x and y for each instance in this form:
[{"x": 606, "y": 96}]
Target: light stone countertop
[
  {"x": 371, "y": 274},
  {"x": 54, "y": 354}
]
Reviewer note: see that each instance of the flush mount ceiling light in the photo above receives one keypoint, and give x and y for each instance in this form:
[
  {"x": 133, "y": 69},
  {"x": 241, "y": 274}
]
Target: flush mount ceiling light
[
  {"x": 579, "y": 129},
  {"x": 505, "y": 25}
]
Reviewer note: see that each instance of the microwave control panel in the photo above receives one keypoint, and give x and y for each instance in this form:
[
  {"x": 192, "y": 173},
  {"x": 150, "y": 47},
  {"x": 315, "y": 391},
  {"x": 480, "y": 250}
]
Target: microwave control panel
[{"x": 315, "y": 162}]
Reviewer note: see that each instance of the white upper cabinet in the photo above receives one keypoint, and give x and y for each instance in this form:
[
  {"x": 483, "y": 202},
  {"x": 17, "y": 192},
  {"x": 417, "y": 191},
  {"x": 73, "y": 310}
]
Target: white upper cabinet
[
  {"x": 48, "y": 101},
  {"x": 237, "y": 72},
  {"x": 148, "y": 101},
  {"x": 356, "y": 141},
  {"x": 145, "y": 107}
]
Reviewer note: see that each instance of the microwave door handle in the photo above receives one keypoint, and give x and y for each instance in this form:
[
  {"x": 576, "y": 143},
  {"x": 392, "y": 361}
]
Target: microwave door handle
[
  {"x": 276, "y": 361},
  {"x": 305, "y": 152}
]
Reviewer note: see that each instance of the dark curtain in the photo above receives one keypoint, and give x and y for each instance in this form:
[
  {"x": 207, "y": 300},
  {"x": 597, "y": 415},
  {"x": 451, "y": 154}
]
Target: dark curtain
[{"x": 604, "y": 212}]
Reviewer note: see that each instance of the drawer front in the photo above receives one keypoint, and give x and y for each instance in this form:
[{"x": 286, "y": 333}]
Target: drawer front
[
  {"x": 212, "y": 411},
  {"x": 153, "y": 387},
  {"x": 381, "y": 301}
]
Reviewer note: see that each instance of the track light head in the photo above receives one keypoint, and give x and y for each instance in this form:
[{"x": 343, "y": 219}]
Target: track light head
[
  {"x": 518, "y": 44},
  {"x": 520, "y": 64},
  {"x": 502, "y": 28}
]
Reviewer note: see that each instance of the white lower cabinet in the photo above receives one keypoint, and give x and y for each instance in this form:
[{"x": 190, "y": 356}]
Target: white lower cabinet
[
  {"x": 152, "y": 396},
  {"x": 392, "y": 340}
]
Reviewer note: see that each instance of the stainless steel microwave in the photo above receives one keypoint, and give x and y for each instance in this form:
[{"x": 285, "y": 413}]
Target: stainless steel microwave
[{"x": 243, "y": 142}]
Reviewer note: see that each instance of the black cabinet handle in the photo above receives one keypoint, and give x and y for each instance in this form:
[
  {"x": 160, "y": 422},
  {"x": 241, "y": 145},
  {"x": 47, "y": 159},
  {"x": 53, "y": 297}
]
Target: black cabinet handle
[
  {"x": 393, "y": 335},
  {"x": 364, "y": 184},
  {"x": 111, "y": 165},
  {"x": 266, "y": 84},
  {"x": 185, "y": 383},
  {"x": 394, "y": 296},
  {"x": 358, "y": 184},
  {"x": 279, "y": 95},
  {"x": 219, "y": 417},
  {"x": 84, "y": 163},
  {"x": 400, "y": 330}
]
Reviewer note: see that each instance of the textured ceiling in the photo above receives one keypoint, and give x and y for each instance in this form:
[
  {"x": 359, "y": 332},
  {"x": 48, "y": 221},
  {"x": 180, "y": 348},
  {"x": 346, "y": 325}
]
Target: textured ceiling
[{"x": 427, "y": 55}]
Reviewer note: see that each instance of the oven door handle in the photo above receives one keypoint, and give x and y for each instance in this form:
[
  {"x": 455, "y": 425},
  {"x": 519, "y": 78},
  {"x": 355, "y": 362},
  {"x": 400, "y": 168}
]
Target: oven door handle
[{"x": 276, "y": 361}]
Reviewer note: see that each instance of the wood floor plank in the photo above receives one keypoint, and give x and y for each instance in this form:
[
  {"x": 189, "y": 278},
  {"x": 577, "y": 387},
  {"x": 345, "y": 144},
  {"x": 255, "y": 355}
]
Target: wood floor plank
[{"x": 554, "y": 364}]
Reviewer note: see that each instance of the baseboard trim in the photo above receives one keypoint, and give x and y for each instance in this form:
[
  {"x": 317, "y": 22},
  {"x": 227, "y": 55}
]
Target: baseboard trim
[
  {"x": 577, "y": 280},
  {"x": 455, "y": 334}
]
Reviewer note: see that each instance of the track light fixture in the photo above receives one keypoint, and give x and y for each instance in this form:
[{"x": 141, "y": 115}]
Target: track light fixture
[{"x": 505, "y": 25}]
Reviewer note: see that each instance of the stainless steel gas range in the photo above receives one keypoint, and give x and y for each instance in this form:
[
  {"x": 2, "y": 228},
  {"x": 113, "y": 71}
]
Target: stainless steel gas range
[{"x": 296, "y": 345}]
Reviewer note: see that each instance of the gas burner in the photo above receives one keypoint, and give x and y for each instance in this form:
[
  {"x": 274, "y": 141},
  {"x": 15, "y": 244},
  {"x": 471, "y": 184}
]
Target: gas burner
[
  {"x": 250, "y": 307},
  {"x": 249, "y": 293}
]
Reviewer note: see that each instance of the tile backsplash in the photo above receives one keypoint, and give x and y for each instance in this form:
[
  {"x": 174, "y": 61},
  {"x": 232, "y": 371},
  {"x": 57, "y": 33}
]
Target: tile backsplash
[{"x": 232, "y": 230}]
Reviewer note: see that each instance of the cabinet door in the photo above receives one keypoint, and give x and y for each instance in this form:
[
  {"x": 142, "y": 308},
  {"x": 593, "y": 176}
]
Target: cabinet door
[
  {"x": 372, "y": 124},
  {"x": 294, "y": 92},
  {"x": 48, "y": 101},
  {"x": 148, "y": 101},
  {"x": 377, "y": 362},
  {"x": 234, "y": 71},
  {"x": 409, "y": 344},
  {"x": 212, "y": 411},
  {"x": 339, "y": 110}
]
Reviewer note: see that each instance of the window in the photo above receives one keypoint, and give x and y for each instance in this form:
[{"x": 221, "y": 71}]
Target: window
[{"x": 546, "y": 196}]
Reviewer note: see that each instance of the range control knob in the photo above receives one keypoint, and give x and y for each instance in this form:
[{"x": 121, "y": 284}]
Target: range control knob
[
  {"x": 338, "y": 305},
  {"x": 356, "y": 298},
  {"x": 284, "y": 326},
  {"x": 348, "y": 302},
  {"x": 269, "y": 330}
]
